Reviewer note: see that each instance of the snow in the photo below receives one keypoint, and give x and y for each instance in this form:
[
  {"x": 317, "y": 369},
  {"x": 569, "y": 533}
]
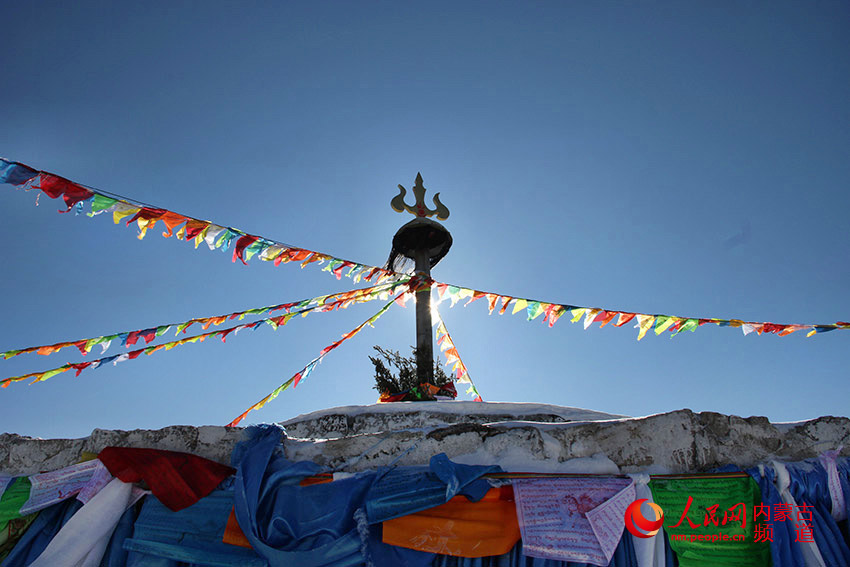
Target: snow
[
  {"x": 785, "y": 426},
  {"x": 461, "y": 407}
]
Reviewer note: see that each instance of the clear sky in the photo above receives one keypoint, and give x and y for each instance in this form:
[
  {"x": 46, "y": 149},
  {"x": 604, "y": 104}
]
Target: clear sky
[{"x": 689, "y": 159}]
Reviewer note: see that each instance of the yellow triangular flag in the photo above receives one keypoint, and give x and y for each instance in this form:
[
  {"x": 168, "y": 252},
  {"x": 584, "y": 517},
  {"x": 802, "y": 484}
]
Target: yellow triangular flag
[
  {"x": 519, "y": 306},
  {"x": 645, "y": 323}
]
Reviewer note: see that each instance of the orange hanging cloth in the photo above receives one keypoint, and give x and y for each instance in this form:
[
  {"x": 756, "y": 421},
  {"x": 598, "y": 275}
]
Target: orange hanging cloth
[{"x": 459, "y": 527}]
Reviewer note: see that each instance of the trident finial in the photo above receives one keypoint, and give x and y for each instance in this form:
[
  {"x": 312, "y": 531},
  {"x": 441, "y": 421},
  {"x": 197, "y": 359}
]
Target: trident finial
[{"x": 419, "y": 209}]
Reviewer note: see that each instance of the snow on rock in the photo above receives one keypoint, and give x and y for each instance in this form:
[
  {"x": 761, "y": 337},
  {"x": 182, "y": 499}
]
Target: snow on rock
[
  {"x": 679, "y": 441},
  {"x": 344, "y": 421},
  {"x": 24, "y": 455},
  {"x": 519, "y": 437}
]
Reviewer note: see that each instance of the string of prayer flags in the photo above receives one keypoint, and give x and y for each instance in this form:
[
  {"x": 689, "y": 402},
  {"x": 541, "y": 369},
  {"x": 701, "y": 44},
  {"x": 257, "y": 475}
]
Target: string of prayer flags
[
  {"x": 449, "y": 350},
  {"x": 51, "y": 185},
  {"x": 307, "y": 370},
  {"x": 245, "y": 246},
  {"x": 327, "y": 302},
  {"x": 644, "y": 322},
  {"x": 274, "y": 322}
]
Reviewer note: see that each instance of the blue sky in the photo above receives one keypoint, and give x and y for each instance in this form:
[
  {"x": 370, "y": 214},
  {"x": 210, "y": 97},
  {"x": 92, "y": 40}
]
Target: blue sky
[{"x": 677, "y": 158}]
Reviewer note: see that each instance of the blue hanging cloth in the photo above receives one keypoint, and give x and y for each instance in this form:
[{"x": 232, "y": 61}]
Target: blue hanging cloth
[
  {"x": 41, "y": 532},
  {"x": 191, "y": 536},
  {"x": 809, "y": 485},
  {"x": 408, "y": 490},
  {"x": 784, "y": 550},
  {"x": 287, "y": 524}
]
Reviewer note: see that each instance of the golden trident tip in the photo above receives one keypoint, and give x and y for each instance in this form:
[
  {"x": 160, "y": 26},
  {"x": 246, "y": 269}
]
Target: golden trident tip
[{"x": 419, "y": 209}]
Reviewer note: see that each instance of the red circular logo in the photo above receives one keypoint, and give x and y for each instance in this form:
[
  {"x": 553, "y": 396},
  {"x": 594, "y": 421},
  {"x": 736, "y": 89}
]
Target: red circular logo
[{"x": 638, "y": 524}]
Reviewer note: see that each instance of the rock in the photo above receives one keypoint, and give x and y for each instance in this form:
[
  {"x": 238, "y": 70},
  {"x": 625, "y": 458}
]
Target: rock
[{"x": 530, "y": 437}]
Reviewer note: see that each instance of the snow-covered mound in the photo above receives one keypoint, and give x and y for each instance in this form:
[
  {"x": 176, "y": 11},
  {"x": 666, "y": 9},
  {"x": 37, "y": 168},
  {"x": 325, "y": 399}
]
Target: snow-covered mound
[{"x": 519, "y": 437}]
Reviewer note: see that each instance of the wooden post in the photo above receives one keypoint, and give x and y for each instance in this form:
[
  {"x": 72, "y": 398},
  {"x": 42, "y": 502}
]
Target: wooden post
[{"x": 424, "y": 333}]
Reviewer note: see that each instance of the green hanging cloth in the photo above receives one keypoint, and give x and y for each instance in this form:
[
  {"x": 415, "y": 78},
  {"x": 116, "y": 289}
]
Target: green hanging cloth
[
  {"x": 709, "y": 520},
  {"x": 15, "y": 496},
  {"x": 14, "y": 530}
]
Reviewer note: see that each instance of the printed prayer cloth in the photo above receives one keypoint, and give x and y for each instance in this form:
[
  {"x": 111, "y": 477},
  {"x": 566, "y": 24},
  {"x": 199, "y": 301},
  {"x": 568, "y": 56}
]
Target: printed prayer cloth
[{"x": 572, "y": 519}]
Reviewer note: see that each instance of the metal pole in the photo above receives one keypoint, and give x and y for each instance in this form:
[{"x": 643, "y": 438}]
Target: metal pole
[
  {"x": 424, "y": 338},
  {"x": 425, "y": 241}
]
